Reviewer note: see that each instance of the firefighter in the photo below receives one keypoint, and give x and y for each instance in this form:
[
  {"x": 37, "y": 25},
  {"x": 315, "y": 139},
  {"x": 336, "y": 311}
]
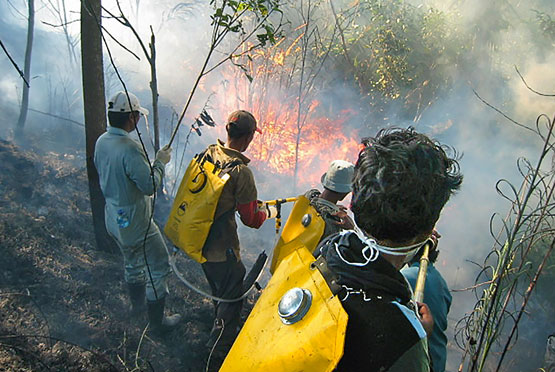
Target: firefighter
[
  {"x": 128, "y": 181},
  {"x": 402, "y": 181},
  {"x": 438, "y": 298},
  {"x": 337, "y": 183},
  {"x": 223, "y": 267}
]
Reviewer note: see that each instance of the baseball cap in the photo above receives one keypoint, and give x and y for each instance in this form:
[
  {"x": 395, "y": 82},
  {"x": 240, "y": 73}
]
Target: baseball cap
[
  {"x": 244, "y": 121},
  {"x": 339, "y": 177},
  {"x": 120, "y": 103}
]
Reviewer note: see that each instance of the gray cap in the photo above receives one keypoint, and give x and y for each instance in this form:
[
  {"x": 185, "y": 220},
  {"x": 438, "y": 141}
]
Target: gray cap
[{"x": 339, "y": 177}]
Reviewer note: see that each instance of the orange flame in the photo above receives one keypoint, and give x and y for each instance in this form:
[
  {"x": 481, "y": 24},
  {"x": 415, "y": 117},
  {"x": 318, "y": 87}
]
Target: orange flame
[{"x": 291, "y": 143}]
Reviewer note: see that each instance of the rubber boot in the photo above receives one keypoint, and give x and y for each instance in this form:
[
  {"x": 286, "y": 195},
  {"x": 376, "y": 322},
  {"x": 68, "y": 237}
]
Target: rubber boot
[
  {"x": 137, "y": 298},
  {"x": 159, "y": 323}
]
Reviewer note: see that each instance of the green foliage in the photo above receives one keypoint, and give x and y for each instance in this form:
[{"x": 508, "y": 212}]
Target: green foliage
[
  {"x": 229, "y": 16},
  {"x": 268, "y": 35},
  {"x": 546, "y": 25},
  {"x": 398, "y": 52}
]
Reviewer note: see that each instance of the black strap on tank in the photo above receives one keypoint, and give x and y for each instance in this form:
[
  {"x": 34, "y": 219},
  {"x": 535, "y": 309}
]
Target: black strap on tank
[{"x": 329, "y": 276}]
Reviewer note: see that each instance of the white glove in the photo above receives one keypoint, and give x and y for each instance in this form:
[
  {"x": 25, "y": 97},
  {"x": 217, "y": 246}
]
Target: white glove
[
  {"x": 164, "y": 154},
  {"x": 271, "y": 211}
]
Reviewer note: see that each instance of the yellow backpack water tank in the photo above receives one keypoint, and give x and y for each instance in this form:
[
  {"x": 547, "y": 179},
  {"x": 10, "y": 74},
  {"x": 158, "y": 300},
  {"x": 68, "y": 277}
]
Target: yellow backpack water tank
[
  {"x": 278, "y": 338},
  {"x": 194, "y": 206}
]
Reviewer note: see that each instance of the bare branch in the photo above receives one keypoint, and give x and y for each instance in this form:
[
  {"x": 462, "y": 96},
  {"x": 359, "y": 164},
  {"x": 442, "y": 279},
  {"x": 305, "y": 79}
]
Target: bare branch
[
  {"x": 57, "y": 117},
  {"x": 14, "y": 8},
  {"x": 120, "y": 44},
  {"x": 341, "y": 34},
  {"x": 14, "y": 64},
  {"x": 62, "y": 24},
  {"x": 501, "y": 112},
  {"x": 531, "y": 89}
]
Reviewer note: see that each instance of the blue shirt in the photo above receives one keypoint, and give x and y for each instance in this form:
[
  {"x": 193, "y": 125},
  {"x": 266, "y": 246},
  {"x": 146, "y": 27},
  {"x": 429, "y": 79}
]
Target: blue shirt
[{"x": 438, "y": 298}]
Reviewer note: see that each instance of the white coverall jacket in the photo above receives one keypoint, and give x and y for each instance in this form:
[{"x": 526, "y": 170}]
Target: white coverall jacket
[{"x": 127, "y": 185}]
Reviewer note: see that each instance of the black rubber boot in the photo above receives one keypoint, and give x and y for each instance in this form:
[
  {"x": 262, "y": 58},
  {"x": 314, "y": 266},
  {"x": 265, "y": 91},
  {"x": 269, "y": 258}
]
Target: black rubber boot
[
  {"x": 160, "y": 324},
  {"x": 137, "y": 298}
]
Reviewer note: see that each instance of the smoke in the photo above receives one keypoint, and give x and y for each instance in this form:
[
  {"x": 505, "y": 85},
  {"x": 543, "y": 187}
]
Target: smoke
[
  {"x": 505, "y": 36},
  {"x": 495, "y": 36}
]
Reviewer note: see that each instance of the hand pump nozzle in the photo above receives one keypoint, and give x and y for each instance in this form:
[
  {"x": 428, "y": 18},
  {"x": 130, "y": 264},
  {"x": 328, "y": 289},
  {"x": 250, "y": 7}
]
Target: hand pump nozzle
[{"x": 278, "y": 203}]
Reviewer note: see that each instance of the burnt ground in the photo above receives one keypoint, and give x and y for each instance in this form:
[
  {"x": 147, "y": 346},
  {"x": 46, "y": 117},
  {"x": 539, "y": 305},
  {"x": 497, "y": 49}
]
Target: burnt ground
[{"x": 63, "y": 304}]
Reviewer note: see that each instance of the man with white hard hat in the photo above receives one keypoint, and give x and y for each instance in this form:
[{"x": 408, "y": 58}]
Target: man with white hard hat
[
  {"x": 128, "y": 181},
  {"x": 337, "y": 182}
]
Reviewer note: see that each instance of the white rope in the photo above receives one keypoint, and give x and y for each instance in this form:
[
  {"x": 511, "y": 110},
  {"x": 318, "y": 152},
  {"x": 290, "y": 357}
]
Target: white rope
[
  {"x": 205, "y": 294},
  {"x": 369, "y": 252},
  {"x": 214, "y": 346},
  {"x": 394, "y": 251}
]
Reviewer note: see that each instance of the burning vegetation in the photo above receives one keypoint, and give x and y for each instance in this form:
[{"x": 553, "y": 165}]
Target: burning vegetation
[{"x": 318, "y": 76}]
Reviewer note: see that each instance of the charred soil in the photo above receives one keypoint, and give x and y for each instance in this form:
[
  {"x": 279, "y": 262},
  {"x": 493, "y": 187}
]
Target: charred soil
[{"x": 63, "y": 304}]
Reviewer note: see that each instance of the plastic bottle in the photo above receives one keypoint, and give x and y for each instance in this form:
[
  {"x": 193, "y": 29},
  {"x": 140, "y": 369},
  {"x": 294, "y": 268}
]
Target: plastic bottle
[{"x": 122, "y": 219}]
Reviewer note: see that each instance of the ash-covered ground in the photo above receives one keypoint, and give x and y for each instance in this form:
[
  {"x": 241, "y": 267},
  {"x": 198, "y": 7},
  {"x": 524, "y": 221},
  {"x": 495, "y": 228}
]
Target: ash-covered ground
[{"x": 63, "y": 304}]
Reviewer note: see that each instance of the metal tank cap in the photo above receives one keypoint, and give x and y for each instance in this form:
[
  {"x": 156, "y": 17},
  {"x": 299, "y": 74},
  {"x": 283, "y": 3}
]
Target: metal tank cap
[
  {"x": 294, "y": 305},
  {"x": 307, "y": 219}
]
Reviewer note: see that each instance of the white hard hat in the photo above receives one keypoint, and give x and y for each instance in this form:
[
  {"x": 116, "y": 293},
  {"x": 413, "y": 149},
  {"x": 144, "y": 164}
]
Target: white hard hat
[
  {"x": 120, "y": 103},
  {"x": 339, "y": 177}
]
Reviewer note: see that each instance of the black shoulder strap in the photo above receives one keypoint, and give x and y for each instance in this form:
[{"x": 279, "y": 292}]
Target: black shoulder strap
[
  {"x": 329, "y": 276},
  {"x": 224, "y": 168},
  {"x": 228, "y": 167},
  {"x": 203, "y": 156}
]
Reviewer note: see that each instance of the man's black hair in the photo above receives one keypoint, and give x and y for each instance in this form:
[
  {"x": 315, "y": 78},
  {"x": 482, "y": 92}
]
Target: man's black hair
[
  {"x": 118, "y": 119},
  {"x": 234, "y": 132},
  {"x": 402, "y": 181}
]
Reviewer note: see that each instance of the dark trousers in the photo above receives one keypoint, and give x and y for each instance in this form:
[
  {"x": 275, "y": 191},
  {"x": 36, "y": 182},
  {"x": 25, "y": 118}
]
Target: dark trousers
[{"x": 226, "y": 281}]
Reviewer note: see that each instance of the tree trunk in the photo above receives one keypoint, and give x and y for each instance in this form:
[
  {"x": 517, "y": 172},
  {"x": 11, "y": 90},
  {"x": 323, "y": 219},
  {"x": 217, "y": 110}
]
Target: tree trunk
[
  {"x": 95, "y": 111},
  {"x": 26, "y": 71}
]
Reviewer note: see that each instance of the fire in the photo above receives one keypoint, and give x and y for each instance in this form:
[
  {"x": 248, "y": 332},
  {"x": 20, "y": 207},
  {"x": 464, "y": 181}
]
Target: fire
[{"x": 291, "y": 144}]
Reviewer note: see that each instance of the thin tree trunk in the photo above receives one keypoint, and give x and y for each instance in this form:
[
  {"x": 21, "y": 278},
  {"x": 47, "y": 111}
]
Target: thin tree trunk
[
  {"x": 70, "y": 45},
  {"x": 154, "y": 90},
  {"x": 304, "y": 48},
  {"x": 341, "y": 34},
  {"x": 95, "y": 111},
  {"x": 26, "y": 71}
]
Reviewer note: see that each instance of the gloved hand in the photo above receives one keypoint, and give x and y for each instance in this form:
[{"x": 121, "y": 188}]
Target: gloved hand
[
  {"x": 164, "y": 154},
  {"x": 435, "y": 239},
  {"x": 343, "y": 220},
  {"x": 271, "y": 211}
]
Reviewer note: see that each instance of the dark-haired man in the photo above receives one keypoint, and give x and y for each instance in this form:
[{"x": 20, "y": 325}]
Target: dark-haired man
[
  {"x": 402, "y": 181},
  {"x": 127, "y": 183},
  {"x": 224, "y": 270},
  {"x": 438, "y": 299}
]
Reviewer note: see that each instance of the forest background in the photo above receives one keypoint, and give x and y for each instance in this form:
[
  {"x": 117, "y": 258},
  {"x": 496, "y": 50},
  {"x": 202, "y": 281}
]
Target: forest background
[{"x": 337, "y": 71}]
